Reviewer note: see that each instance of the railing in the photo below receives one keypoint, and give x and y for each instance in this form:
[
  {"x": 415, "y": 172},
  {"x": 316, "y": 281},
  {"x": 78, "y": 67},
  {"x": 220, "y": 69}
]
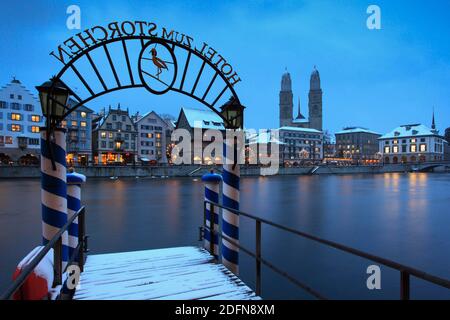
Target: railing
[
  {"x": 405, "y": 271},
  {"x": 56, "y": 244}
]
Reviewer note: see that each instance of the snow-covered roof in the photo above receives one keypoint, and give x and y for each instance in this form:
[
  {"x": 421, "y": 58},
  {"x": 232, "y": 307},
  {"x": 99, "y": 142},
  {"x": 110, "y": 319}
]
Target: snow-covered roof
[
  {"x": 204, "y": 119},
  {"x": 263, "y": 138},
  {"x": 410, "y": 130},
  {"x": 287, "y": 128},
  {"x": 356, "y": 130}
]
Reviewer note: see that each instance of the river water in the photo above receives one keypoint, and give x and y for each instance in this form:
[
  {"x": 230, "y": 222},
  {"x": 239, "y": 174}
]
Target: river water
[{"x": 403, "y": 217}]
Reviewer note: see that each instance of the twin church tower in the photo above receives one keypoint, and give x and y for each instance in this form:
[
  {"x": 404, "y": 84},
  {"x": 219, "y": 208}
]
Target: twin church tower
[{"x": 314, "y": 103}]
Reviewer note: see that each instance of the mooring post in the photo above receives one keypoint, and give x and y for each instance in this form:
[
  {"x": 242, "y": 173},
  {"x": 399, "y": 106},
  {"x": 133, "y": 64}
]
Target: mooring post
[
  {"x": 74, "y": 182},
  {"x": 212, "y": 189},
  {"x": 54, "y": 188},
  {"x": 230, "y": 220}
]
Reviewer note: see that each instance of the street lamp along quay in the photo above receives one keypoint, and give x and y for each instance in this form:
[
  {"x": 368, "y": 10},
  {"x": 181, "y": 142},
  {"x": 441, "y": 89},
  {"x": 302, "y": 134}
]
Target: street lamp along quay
[{"x": 53, "y": 95}]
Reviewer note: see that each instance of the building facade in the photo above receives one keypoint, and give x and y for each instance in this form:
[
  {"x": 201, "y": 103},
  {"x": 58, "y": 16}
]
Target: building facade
[
  {"x": 315, "y": 106},
  {"x": 411, "y": 144},
  {"x": 300, "y": 145},
  {"x": 151, "y": 141},
  {"x": 358, "y": 144},
  {"x": 79, "y": 135},
  {"x": 114, "y": 138},
  {"x": 192, "y": 119},
  {"x": 20, "y": 120}
]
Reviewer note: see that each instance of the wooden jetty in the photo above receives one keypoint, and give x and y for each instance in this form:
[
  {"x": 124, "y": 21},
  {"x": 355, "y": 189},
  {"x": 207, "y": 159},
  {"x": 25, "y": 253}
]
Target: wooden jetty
[{"x": 181, "y": 273}]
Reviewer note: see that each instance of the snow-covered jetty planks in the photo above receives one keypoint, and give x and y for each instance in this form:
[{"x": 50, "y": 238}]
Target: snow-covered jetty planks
[{"x": 182, "y": 273}]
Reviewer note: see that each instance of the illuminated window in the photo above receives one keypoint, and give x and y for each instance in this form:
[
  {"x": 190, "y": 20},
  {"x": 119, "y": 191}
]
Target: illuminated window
[
  {"x": 413, "y": 140},
  {"x": 118, "y": 145},
  {"x": 103, "y": 134},
  {"x": 64, "y": 123},
  {"x": 149, "y": 135},
  {"x": 158, "y": 136},
  {"x": 83, "y": 123},
  {"x": 35, "y": 129},
  {"x": 413, "y": 148},
  {"x": 386, "y": 149},
  {"x": 74, "y": 124},
  {"x": 35, "y": 118},
  {"x": 83, "y": 114},
  {"x": 110, "y": 135},
  {"x": 16, "y": 116},
  {"x": 395, "y": 149},
  {"x": 423, "y": 147},
  {"x": 395, "y": 141},
  {"x": 8, "y": 140},
  {"x": 15, "y": 127}
]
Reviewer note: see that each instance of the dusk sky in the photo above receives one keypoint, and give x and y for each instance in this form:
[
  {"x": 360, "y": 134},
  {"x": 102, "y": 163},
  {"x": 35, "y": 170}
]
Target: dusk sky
[{"x": 377, "y": 79}]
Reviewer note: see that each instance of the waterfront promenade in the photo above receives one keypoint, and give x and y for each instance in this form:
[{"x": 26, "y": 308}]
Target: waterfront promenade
[{"x": 11, "y": 172}]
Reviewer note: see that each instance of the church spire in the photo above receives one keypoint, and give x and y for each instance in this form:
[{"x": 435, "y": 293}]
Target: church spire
[
  {"x": 433, "y": 124},
  {"x": 299, "y": 114}
]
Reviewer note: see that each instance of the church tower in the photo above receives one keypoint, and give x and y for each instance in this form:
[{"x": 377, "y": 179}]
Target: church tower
[
  {"x": 286, "y": 100},
  {"x": 315, "y": 101}
]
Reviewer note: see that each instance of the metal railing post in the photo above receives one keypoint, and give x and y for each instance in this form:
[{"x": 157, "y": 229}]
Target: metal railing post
[
  {"x": 404, "y": 285},
  {"x": 258, "y": 257},
  {"x": 212, "y": 233},
  {"x": 57, "y": 263},
  {"x": 81, "y": 239}
]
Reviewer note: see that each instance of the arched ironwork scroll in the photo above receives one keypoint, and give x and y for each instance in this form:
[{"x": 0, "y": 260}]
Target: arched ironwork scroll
[{"x": 151, "y": 48}]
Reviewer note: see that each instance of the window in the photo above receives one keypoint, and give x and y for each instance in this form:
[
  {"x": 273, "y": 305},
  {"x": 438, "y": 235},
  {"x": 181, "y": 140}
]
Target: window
[
  {"x": 413, "y": 140},
  {"x": 150, "y": 135},
  {"x": 33, "y": 141},
  {"x": 64, "y": 123},
  {"x": 422, "y": 139},
  {"x": 2, "y": 140},
  {"x": 35, "y": 118},
  {"x": 19, "y": 97},
  {"x": 15, "y": 106},
  {"x": 404, "y": 148},
  {"x": 16, "y": 116},
  {"x": 110, "y": 135},
  {"x": 103, "y": 144},
  {"x": 83, "y": 123},
  {"x": 103, "y": 134},
  {"x": 128, "y": 127},
  {"x": 73, "y": 123},
  {"x": 28, "y": 107},
  {"x": 110, "y": 144},
  {"x": 16, "y": 128},
  {"x": 127, "y": 136},
  {"x": 123, "y": 118},
  {"x": 395, "y": 149},
  {"x": 3, "y": 105},
  {"x": 11, "y": 96},
  {"x": 114, "y": 117},
  {"x": 83, "y": 114},
  {"x": 158, "y": 135},
  {"x": 109, "y": 126},
  {"x": 119, "y": 125},
  {"x": 386, "y": 142},
  {"x": 8, "y": 140},
  {"x": 413, "y": 148},
  {"x": 395, "y": 142},
  {"x": 35, "y": 129},
  {"x": 423, "y": 147},
  {"x": 386, "y": 149}
]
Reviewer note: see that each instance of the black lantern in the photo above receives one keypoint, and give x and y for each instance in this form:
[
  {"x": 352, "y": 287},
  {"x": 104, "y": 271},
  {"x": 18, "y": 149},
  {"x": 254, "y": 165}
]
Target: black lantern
[
  {"x": 233, "y": 113},
  {"x": 54, "y": 96}
]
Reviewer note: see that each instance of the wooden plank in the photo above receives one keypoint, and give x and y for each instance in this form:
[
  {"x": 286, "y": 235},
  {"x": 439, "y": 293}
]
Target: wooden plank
[{"x": 172, "y": 273}]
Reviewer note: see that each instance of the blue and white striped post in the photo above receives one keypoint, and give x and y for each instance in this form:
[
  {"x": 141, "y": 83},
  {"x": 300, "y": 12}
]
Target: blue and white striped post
[
  {"x": 230, "y": 220},
  {"x": 54, "y": 188},
  {"x": 212, "y": 189},
  {"x": 74, "y": 182}
]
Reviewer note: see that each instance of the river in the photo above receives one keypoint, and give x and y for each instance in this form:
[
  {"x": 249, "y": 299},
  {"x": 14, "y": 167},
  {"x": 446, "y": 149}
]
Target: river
[{"x": 403, "y": 217}]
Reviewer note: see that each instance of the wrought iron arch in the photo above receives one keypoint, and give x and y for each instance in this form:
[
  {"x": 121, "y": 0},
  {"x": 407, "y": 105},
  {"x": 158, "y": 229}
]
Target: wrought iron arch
[{"x": 139, "y": 82}]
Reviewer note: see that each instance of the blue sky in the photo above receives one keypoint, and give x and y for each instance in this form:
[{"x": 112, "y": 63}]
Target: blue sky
[{"x": 373, "y": 78}]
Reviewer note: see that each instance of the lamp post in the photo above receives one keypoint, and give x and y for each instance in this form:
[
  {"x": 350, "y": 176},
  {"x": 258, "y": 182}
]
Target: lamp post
[
  {"x": 53, "y": 96},
  {"x": 233, "y": 115}
]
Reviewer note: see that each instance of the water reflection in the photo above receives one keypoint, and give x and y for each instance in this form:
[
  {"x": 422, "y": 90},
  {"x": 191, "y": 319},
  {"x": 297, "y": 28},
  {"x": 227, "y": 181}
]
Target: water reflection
[{"x": 399, "y": 216}]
